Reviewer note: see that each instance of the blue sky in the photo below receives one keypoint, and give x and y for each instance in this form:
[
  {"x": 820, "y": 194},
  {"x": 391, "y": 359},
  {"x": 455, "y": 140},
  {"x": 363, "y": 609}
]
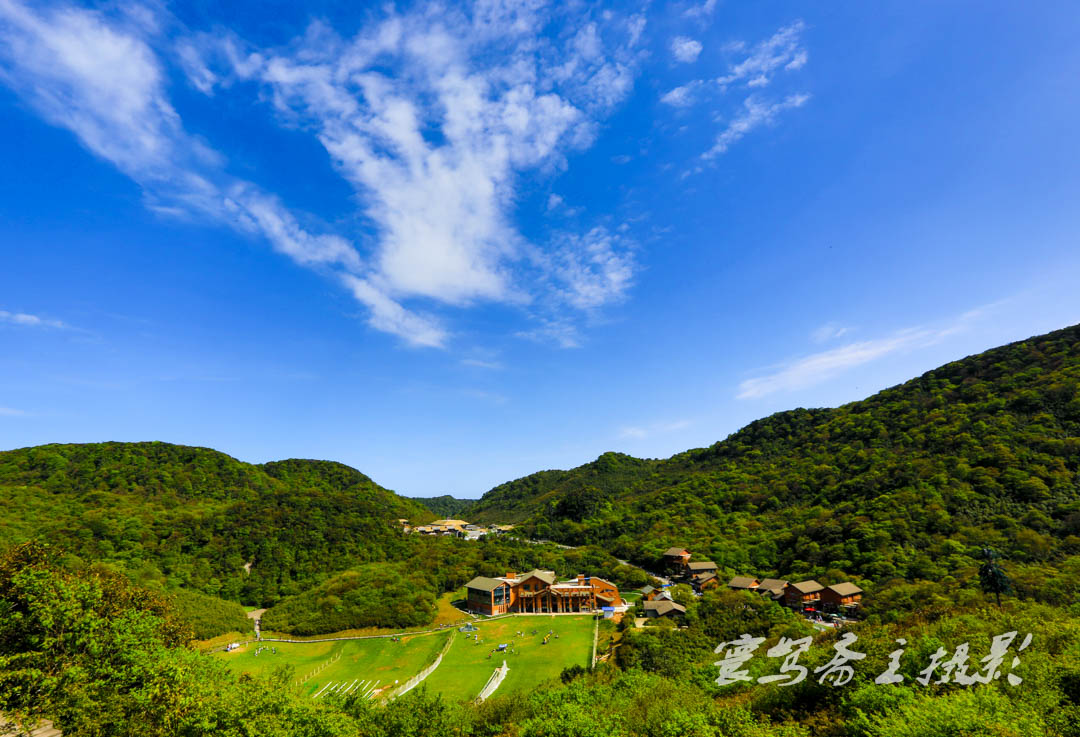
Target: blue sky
[{"x": 453, "y": 245}]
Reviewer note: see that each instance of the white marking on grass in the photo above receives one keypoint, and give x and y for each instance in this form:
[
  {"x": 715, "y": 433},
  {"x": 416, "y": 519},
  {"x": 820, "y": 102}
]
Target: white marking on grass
[{"x": 316, "y": 695}]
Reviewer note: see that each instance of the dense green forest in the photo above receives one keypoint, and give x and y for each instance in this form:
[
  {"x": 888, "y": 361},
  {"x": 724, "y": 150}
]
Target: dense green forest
[
  {"x": 217, "y": 532},
  {"x": 445, "y": 506},
  {"x": 194, "y": 518},
  {"x": 97, "y": 656},
  {"x": 908, "y": 484}
]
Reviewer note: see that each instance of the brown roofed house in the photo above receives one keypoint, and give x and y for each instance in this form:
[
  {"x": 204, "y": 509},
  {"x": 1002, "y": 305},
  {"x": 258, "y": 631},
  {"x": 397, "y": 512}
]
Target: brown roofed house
[
  {"x": 663, "y": 608},
  {"x": 704, "y": 581},
  {"x": 773, "y": 587},
  {"x": 648, "y": 593},
  {"x": 488, "y": 595},
  {"x": 802, "y": 594},
  {"x": 676, "y": 558},
  {"x": 702, "y": 566},
  {"x": 743, "y": 583},
  {"x": 846, "y": 596}
]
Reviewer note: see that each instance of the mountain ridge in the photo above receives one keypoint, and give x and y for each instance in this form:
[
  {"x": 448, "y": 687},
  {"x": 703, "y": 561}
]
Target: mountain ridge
[{"x": 955, "y": 453}]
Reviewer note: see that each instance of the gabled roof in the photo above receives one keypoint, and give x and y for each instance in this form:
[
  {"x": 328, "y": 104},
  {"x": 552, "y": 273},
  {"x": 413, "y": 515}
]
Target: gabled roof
[
  {"x": 547, "y": 577},
  {"x": 772, "y": 584},
  {"x": 483, "y": 583},
  {"x": 703, "y": 565},
  {"x": 743, "y": 582},
  {"x": 664, "y": 606},
  {"x": 807, "y": 587},
  {"x": 676, "y": 552},
  {"x": 704, "y": 577},
  {"x": 845, "y": 589},
  {"x": 646, "y": 590}
]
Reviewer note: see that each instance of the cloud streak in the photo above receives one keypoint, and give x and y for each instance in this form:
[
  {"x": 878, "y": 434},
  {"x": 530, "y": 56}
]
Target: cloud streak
[
  {"x": 435, "y": 150},
  {"x": 27, "y": 320},
  {"x": 641, "y": 432},
  {"x": 755, "y": 70},
  {"x": 825, "y": 365},
  {"x": 781, "y": 51},
  {"x": 99, "y": 78},
  {"x": 755, "y": 113},
  {"x": 432, "y": 115}
]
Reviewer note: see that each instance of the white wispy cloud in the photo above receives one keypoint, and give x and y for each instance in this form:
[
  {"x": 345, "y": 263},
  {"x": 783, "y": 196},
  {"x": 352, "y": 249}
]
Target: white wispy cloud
[
  {"x": 781, "y": 51},
  {"x": 593, "y": 269},
  {"x": 640, "y": 432},
  {"x": 432, "y": 115},
  {"x": 480, "y": 363},
  {"x": 98, "y": 77},
  {"x": 486, "y": 396},
  {"x": 829, "y": 331},
  {"x": 754, "y": 114},
  {"x": 755, "y": 68},
  {"x": 562, "y": 333},
  {"x": 685, "y": 49},
  {"x": 28, "y": 320},
  {"x": 11, "y": 412},
  {"x": 389, "y": 316},
  {"x": 441, "y": 203},
  {"x": 681, "y": 96},
  {"x": 703, "y": 10},
  {"x": 819, "y": 367}
]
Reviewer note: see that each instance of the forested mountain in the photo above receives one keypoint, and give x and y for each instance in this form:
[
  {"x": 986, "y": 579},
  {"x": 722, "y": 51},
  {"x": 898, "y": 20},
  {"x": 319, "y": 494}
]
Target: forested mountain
[
  {"x": 199, "y": 519},
  {"x": 212, "y": 531},
  {"x": 445, "y": 506},
  {"x": 608, "y": 476},
  {"x": 907, "y": 483}
]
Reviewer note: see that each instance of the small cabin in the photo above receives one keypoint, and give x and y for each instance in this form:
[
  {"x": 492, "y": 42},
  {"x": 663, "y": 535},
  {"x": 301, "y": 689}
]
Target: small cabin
[
  {"x": 841, "y": 597},
  {"x": 488, "y": 595},
  {"x": 743, "y": 583},
  {"x": 676, "y": 558},
  {"x": 803, "y": 594},
  {"x": 663, "y": 608},
  {"x": 774, "y": 588}
]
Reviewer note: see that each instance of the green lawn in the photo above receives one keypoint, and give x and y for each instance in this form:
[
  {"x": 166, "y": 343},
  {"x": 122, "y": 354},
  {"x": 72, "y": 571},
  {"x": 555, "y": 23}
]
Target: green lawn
[
  {"x": 466, "y": 667},
  {"x": 376, "y": 663},
  {"x": 369, "y": 664}
]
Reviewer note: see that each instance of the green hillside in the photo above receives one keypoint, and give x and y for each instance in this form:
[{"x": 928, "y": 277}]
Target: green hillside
[
  {"x": 607, "y": 476},
  {"x": 195, "y": 518},
  {"x": 445, "y": 506},
  {"x": 907, "y": 483}
]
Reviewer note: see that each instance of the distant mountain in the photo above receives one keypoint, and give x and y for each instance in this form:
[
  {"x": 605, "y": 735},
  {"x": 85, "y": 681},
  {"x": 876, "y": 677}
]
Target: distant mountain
[
  {"x": 195, "y": 518},
  {"x": 516, "y": 500},
  {"x": 445, "y": 506},
  {"x": 909, "y": 482}
]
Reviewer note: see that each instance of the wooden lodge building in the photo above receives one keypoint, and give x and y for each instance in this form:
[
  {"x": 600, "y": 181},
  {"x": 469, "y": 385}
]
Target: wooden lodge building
[
  {"x": 801, "y": 595},
  {"x": 841, "y": 597},
  {"x": 538, "y": 592}
]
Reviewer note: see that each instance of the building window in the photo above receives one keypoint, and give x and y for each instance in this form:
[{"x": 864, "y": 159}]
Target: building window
[{"x": 499, "y": 596}]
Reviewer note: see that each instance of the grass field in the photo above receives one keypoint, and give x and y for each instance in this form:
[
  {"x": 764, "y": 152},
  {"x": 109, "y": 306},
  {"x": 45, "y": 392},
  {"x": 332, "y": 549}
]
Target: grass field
[
  {"x": 360, "y": 664},
  {"x": 466, "y": 667}
]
